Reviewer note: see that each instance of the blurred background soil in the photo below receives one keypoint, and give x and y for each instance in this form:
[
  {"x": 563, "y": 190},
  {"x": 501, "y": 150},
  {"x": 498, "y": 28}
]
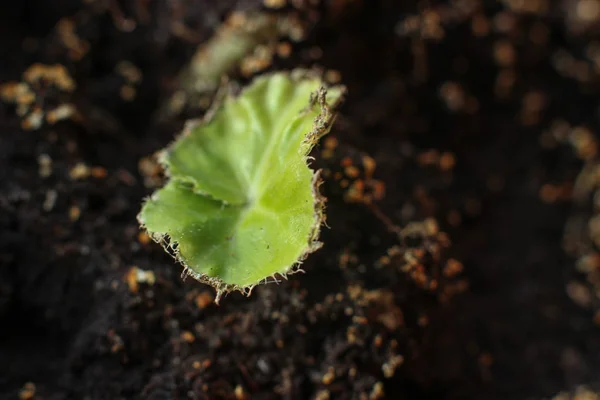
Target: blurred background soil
[{"x": 460, "y": 262}]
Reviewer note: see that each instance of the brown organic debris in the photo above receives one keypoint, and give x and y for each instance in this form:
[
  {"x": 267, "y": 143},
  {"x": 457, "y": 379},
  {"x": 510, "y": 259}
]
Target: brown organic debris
[
  {"x": 27, "y": 392},
  {"x": 135, "y": 276},
  {"x": 41, "y": 85}
]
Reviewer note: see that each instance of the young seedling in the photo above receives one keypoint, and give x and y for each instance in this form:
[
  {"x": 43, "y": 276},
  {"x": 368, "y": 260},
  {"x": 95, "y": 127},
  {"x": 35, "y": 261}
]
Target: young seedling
[{"x": 241, "y": 205}]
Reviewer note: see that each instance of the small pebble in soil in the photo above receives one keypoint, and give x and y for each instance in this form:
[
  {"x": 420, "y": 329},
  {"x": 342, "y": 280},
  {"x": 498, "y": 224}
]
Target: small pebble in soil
[
  {"x": 135, "y": 276},
  {"x": 74, "y": 213},
  {"x": 50, "y": 200},
  {"x": 45, "y": 165},
  {"x": 79, "y": 171}
]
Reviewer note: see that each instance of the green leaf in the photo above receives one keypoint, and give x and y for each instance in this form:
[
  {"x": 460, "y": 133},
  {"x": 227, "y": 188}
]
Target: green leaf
[{"x": 241, "y": 204}]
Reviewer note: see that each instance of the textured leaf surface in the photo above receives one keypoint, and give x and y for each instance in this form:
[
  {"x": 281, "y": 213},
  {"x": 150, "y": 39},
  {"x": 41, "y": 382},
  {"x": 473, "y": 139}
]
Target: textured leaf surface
[{"x": 241, "y": 204}]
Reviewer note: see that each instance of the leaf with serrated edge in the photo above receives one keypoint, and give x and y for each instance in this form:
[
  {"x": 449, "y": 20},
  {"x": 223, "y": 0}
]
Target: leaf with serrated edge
[{"x": 241, "y": 204}]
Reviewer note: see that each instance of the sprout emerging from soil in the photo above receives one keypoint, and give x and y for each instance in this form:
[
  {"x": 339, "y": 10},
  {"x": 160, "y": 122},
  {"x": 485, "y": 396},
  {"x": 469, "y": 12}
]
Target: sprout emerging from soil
[{"x": 242, "y": 205}]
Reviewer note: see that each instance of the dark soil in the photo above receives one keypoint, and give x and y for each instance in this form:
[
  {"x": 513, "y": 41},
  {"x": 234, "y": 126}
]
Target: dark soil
[{"x": 75, "y": 325}]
